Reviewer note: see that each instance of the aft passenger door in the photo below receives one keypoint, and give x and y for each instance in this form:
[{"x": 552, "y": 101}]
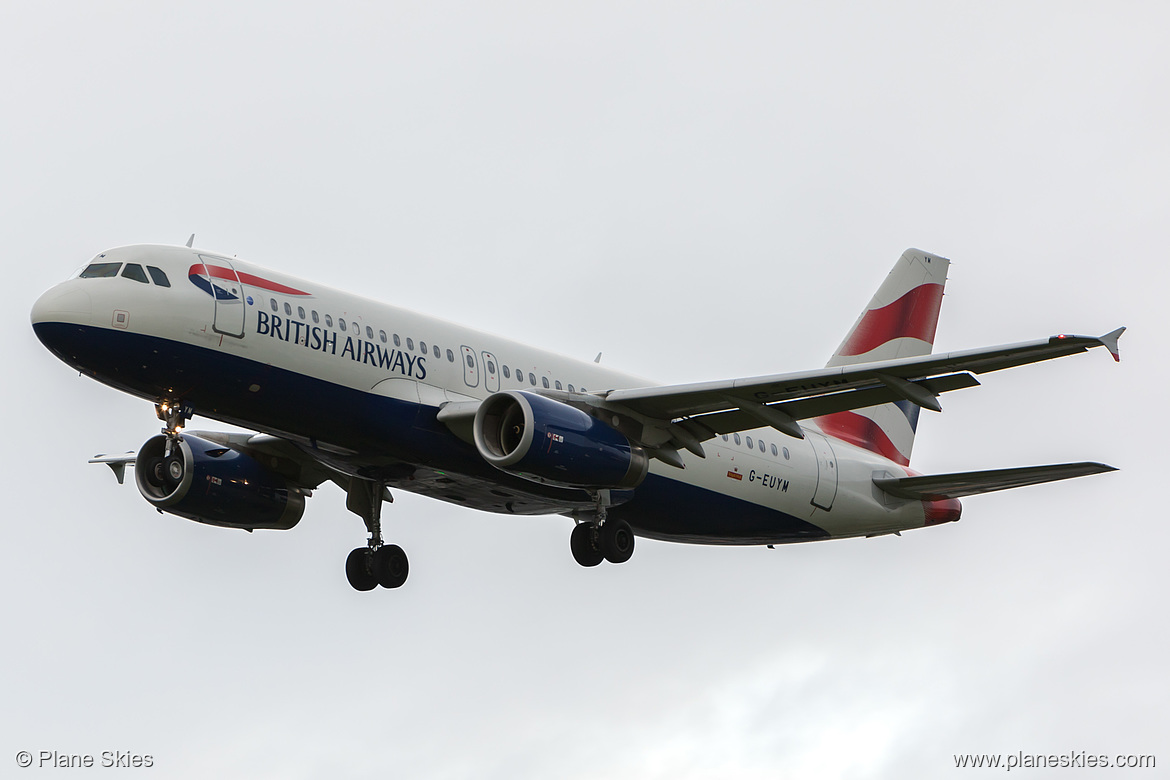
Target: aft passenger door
[{"x": 826, "y": 471}]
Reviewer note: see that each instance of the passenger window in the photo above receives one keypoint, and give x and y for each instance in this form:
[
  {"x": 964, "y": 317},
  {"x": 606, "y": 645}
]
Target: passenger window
[
  {"x": 301, "y": 312},
  {"x": 491, "y": 366},
  {"x": 328, "y": 320},
  {"x": 369, "y": 333},
  {"x": 544, "y": 380},
  {"x": 749, "y": 443},
  {"x": 275, "y": 305},
  {"x": 559, "y": 384},
  {"x": 736, "y": 437},
  {"x": 571, "y": 389},
  {"x": 470, "y": 360},
  {"x": 382, "y": 335},
  {"x": 287, "y": 309},
  {"x": 726, "y": 437},
  {"x": 134, "y": 271},
  {"x": 159, "y": 276},
  {"x": 761, "y": 443},
  {"x": 356, "y": 327},
  {"x": 422, "y": 347},
  {"x": 341, "y": 323},
  {"x": 436, "y": 351},
  {"x": 316, "y": 319},
  {"x": 520, "y": 377},
  {"x": 410, "y": 344},
  {"x": 785, "y": 453},
  {"x": 774, "y": 453},
  {"x": 532, "y": 379},
  {"x": 397, "y": 341},
  {"x": 507, "y": 373},
  {"x": 100, "y": 270},
  {"x": 450, "y": 354}
]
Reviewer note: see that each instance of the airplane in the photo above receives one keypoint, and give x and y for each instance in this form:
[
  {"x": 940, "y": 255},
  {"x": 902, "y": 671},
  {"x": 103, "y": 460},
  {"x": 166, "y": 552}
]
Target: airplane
[{"x": 372, "y": 397}]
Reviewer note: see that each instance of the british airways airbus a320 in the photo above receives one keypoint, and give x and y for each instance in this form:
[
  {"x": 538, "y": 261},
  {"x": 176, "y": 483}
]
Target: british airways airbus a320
[{"x": 342, "y": 388}]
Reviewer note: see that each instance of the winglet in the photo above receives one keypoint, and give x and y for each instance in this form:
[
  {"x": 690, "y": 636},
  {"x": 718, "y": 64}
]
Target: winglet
[{"x": 1110, "y": 342}]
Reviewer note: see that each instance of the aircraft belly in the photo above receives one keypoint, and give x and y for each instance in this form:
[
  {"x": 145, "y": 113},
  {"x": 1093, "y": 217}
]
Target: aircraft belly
[
  {"x": 770, "y": 501},
  {"x": 357, "y": 431},
  {"x": 668, "y": 509}
]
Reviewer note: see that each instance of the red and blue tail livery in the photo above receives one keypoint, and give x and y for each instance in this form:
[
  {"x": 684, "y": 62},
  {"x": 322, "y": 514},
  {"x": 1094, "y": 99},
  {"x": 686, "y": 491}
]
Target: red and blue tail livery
[{"x": 341, "y": 388}]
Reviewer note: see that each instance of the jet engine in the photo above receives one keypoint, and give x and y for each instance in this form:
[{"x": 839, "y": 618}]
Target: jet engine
[
  {"x": 209, "y": 483},
  {"x": 547, "y": 441}
]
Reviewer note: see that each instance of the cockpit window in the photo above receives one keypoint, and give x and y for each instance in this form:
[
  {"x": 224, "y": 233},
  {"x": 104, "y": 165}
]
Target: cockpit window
[
  {"x": 134, "y": 271},
  {"x": 158, "y": 276},
  {"x": 100, "y": 270}
]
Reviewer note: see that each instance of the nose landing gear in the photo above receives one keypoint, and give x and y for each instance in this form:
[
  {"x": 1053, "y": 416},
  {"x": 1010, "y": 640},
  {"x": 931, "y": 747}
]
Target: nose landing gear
[
  {"x": 168, "y": 471},
  {"x": 174, "y": 415}
]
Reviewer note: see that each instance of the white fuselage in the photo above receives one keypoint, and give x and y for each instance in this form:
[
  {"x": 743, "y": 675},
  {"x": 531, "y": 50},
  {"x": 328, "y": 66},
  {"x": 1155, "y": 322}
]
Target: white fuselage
[{"x": 357, "y": 383}]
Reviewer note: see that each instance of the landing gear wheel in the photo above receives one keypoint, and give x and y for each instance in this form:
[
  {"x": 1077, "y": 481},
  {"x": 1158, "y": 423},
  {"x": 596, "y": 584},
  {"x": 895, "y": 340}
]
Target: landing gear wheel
[
  {"x": 359, "y": 569},
  {"x": 390, "y": 566},
  {"x": 173, "y": 469},
  {"x": 617, "y": 541},
  {"x": 584, "y": 544}
]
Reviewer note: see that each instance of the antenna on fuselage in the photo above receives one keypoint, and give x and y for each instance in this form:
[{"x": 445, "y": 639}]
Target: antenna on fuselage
[
  {"x": 190, "y": 240},
  {"x": 598, "y": 358}
]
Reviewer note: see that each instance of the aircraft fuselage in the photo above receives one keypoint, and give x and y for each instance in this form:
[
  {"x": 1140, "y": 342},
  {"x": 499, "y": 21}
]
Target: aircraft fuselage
[{"x": 358, "y": 385}]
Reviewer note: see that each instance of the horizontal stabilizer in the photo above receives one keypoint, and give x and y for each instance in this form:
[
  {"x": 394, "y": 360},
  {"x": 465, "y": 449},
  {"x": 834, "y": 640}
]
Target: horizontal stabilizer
[{"x": 970, "y": 483}]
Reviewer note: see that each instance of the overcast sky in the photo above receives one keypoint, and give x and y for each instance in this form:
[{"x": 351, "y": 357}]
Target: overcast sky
[{"x": 700, "y": 191}]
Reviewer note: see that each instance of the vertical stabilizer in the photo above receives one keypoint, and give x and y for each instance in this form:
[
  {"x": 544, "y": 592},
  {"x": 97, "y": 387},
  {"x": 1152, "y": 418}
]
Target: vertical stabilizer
[{"x": 899, "y": 322}]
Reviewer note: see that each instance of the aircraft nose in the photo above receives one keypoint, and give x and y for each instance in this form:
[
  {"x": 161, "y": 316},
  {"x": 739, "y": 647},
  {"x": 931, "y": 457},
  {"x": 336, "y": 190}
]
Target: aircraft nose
[
  {"x": 63, "y": 303},
  {"x": 56, "y": 315}
]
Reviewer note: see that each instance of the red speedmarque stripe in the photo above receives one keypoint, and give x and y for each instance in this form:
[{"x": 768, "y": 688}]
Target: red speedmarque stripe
[
  {"x": 219, "y": 272},
  {"x": 863, "y": 432},
  {"x": 914, "y": 315}
]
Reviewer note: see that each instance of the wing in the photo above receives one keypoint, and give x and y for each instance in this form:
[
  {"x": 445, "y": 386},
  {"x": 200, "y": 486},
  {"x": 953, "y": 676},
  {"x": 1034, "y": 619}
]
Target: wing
[
  {"x": 710, "y": 408},
  {"x": 117, "y": 463},
  {"x": 282, "y": 456},
  {"x": 970, "y": 483}
]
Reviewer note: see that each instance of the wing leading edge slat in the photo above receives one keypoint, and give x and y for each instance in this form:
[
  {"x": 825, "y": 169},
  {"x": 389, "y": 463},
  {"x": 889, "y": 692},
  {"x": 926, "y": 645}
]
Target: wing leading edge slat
[
  {"x": 738, "y": 420},
  {"x": 864, "y": 381}
]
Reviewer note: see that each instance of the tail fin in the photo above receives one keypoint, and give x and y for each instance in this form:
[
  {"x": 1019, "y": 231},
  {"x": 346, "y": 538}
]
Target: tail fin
[{"x": 899, "y": 322}]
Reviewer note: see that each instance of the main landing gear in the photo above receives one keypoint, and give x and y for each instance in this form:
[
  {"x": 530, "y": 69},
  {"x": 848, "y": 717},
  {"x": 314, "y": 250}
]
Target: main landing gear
[
  {"x": 377, "y": 563},
  {"x": 595, "y": 538}
]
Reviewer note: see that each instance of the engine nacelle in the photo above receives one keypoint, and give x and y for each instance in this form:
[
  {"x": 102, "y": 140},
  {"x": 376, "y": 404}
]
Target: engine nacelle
[
  {"x": 209, "y": 483},
  {"x": 547, "y": 441}
]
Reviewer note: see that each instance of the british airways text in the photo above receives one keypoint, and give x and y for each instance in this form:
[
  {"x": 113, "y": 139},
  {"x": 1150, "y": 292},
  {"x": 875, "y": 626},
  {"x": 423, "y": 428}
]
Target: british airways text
[{"x": 324, "y": 340}]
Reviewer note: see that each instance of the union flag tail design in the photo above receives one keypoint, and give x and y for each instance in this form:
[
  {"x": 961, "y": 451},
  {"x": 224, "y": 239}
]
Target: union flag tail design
[{"x": 899, "y": 322}]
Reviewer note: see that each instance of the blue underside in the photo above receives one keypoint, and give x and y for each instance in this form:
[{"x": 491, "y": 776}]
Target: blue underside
[{"x": 390, "y": 434}]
